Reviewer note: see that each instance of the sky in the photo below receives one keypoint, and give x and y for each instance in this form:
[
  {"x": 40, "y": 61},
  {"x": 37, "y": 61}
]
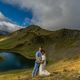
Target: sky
[
  {"x": 49, "y": 14},
  {"x": 15, "y": 14}
]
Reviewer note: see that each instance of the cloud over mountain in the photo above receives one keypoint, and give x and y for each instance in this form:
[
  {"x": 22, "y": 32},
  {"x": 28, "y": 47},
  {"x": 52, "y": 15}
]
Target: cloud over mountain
[
  {"x": 52, "y": 14},
  {"x": 7, "y": 25}
]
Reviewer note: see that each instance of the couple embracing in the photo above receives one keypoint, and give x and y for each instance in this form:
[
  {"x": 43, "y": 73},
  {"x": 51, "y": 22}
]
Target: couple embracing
[{"x": 40, "y": 64}]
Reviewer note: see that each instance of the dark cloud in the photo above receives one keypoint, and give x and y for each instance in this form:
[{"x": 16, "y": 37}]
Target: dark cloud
[{"x": 52, "y": 14}]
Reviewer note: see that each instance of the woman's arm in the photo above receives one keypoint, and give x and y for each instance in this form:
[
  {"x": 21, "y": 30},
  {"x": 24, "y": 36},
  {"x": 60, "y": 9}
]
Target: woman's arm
[{"x": 43, "y": 59}]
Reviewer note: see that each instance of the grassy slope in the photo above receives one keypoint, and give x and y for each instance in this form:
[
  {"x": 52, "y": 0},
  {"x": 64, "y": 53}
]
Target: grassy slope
[
  {"x": 58, "y": 44},
  {"x": 63, "y": 70},
  {"x": 24, "y": 41}
]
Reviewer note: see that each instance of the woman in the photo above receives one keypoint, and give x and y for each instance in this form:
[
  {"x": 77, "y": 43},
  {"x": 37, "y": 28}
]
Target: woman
[{"x": 42, "y": 70}]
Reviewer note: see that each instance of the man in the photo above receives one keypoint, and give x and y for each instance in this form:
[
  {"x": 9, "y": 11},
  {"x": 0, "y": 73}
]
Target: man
[{"x": 37, "y": 62}]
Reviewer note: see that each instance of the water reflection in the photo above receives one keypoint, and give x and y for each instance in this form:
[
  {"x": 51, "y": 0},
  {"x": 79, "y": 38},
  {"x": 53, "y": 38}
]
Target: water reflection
[{"x": 14, "y": 61}]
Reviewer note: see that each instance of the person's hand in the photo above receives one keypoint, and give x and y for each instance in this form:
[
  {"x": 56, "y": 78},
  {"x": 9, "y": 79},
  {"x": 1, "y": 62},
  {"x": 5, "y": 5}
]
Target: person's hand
[{"x": 42, "y": 62}]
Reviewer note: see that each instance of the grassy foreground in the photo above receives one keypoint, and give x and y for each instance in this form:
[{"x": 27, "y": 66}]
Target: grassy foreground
[
  {"x": 62, "y": 70},
  {"x": 15, "y": 75}
]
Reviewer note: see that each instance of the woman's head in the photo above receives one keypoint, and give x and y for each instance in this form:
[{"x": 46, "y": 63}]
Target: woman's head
[{"x": 43, "y": 52}]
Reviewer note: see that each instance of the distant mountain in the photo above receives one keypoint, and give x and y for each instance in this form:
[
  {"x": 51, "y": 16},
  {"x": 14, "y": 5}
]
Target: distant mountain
[
  {"x": 3, "y": 32},
  {"x": 60, "y": 44}
]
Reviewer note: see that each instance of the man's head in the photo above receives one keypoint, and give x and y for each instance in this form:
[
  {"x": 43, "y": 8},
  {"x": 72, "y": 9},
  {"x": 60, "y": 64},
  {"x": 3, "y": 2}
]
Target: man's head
[{"x": 40, "y": 48}]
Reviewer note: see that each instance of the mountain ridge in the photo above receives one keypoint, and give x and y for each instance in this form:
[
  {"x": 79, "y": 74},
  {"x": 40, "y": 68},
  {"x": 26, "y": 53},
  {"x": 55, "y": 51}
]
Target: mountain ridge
[{"x": 58, "y": 44}]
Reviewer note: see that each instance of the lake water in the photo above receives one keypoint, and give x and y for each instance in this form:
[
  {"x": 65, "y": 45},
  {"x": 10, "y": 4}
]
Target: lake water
[{"x": 14, "y": 61}]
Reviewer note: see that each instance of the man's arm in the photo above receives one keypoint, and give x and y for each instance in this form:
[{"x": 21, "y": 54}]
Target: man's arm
[{"x": 38, "y": 57}]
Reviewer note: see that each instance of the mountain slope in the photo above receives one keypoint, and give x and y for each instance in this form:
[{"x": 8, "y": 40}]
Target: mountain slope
[{"x": 60, "y": 44}]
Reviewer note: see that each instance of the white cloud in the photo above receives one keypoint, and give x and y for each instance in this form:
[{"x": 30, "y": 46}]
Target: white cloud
[
  {"x": 2, "y": 17},
  {"x": 9, "y": 27},
  {"x": 6, "y": 25},
  {"x": 26, "y": 21},
  {"x": 52, "y": 14}
]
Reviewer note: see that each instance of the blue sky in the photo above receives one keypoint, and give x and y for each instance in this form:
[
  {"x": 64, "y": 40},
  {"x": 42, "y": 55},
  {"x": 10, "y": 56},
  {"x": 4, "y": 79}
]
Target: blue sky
[{"x": 17, "y": 15}]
